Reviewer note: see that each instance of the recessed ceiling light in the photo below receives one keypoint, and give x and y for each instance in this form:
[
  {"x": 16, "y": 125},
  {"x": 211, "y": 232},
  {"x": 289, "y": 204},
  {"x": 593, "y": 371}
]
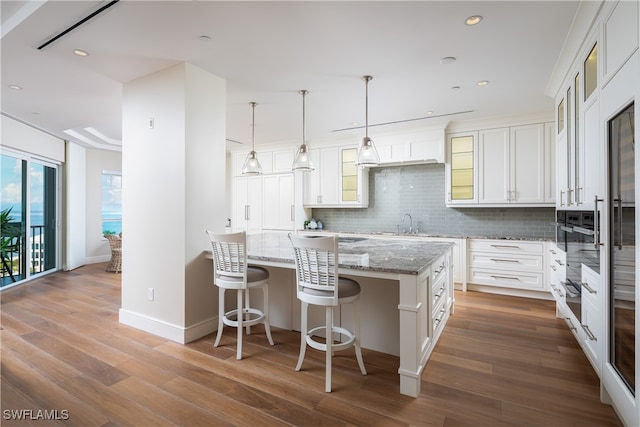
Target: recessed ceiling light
[
  {"x": 15, "y": 87},
  {"x": 204, "y": 38},
  {"x": 80, "y": 52},
  {"x": 483, "y": 82},
  {"x": 455, "y": 87},
  {"x": 447, "y": 60},
  {"x": 473, "y": 20},
  {"x": 354, "y": 123},
  {"x": 429, "y": 113}
]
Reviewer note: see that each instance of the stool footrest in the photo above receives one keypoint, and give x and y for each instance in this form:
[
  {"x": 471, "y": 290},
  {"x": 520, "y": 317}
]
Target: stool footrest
[
  {"x": 230, "y": 315},
  {"x": 335, "y": 330}
]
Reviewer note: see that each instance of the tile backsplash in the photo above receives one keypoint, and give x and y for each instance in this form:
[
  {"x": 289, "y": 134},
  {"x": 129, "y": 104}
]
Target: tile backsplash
[{"x": 418, "y": 190}]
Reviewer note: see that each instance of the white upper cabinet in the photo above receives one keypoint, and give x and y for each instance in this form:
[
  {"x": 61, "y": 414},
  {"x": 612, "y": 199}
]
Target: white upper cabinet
[
  {"x": 502, "y": 167},
  {"x": 412, "y": 148},
  {"x": 247, "y": 204},
  {"x": 336, "y": 180}
]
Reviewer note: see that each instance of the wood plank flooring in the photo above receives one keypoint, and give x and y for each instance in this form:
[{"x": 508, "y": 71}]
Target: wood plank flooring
[{"x": 501, "y": 361}]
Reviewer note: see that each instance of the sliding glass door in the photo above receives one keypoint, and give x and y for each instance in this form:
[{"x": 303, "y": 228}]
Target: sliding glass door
[{"x": 29, "y": 194}]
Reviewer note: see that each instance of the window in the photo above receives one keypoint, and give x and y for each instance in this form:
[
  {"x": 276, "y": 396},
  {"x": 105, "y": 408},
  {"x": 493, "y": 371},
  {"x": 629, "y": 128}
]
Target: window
[{"x": 111, "y": 202}]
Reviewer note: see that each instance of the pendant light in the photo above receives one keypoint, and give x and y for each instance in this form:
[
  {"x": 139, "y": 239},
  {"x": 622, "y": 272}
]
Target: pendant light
[
  {"x": 251, "y": 164},
  {"x": 303, "y": 161},
  {"x": 367, "y": 154}
]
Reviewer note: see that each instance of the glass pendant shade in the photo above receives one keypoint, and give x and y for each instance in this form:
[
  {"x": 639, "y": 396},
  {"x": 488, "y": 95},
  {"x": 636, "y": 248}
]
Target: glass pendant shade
[
  {"x": 303, "y": 162},
  {"x": 367, "y": 154},
  {"x": 251, "y": 164}
]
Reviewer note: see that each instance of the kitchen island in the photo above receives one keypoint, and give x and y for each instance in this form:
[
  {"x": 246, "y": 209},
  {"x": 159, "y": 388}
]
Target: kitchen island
[{"x": 418, "y": 272}]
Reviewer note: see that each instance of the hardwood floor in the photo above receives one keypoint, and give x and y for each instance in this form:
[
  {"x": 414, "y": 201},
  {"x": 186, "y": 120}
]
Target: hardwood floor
[{"x": 501, "y": 361}]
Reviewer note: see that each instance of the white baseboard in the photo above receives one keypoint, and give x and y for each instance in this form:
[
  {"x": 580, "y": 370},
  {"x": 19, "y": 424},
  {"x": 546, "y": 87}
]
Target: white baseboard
[{"x": 167, "y": 330}]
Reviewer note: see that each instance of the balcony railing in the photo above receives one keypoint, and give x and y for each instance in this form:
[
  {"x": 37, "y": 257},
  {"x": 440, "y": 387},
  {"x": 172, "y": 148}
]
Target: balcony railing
[{"x": 16, "y": 258}]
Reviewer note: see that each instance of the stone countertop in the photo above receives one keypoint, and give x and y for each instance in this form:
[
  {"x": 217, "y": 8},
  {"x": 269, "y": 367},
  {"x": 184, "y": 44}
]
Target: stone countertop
[
  {"x": 404, "y": 256},
  {"x": 428, "y": 235}
]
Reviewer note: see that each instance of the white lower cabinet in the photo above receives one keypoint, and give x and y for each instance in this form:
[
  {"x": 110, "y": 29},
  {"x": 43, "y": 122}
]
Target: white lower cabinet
[
  {"x": 592, "y": 321},
  {"x": 556, "y": 273},
  {"x": 511, "y": 264}
]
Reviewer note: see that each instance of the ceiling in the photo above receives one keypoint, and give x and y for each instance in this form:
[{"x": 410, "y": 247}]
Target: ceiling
[{"x": 268, "y": 51}]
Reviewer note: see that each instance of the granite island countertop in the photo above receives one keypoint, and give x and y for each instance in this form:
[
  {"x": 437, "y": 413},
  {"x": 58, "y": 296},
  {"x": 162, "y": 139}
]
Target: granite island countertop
[{"x": 404, "y": 256}]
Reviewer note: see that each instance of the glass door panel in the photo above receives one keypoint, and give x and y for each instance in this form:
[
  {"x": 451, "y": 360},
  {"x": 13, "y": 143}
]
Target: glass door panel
[
  {"x": 42, "y": 210},
  {"x": 13, "y": 204},
  {"x": 29, "y": 229},
  {"x": 622, "y": 248}
]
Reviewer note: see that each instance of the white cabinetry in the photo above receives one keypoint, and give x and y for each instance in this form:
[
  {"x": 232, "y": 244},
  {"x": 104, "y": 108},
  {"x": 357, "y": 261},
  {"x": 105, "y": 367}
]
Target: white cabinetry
[
  {"x": 247, "y": 204},
  {"x": 278, "y": 191},
  {"x": 511, "y": 264},
  {"x": 336, "y": 180},
  {"x": 507, "y": 166},
  {"x": 412, "y": 148},
  {"x": 557, "y": 273},
  {"x": 512, "y": 165},
  {"x": 592, "y": 321}
]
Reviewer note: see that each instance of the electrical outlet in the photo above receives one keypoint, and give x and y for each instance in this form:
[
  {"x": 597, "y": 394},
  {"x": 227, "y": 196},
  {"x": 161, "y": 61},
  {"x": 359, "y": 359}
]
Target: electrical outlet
[{"x": 150, "y": 294}]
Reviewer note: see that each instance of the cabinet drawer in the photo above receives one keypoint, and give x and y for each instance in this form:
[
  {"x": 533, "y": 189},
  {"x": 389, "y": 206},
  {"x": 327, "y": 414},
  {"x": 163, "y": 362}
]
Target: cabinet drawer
[
  {"x": 439, "y": 293},
  {"x": 520, "y": 280},
  {"x": 439, "y": 319},
  {"x": 507, "y": 246},
  {"x": 439, "y": 270},
  {"x": 507, "y": 262}
]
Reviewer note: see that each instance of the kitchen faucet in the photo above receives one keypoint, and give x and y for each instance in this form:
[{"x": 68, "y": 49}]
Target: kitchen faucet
[{"x": 410, "y": 223}]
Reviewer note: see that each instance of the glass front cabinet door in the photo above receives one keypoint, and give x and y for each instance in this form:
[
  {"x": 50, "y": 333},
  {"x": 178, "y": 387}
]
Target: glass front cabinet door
[{"x": 462, "y": 169}]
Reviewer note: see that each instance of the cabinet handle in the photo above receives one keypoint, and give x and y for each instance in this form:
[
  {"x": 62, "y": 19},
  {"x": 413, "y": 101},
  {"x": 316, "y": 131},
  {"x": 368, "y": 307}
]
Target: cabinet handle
[
  {"x": 569, "y": 323},
  {"x": 578, "y": 196},
  {"x": 553, "y": 267},
  {"x": 569, "y": 191},
  {"x": 319, "y": 198},
  {"x": 588, "y": 288},
  {"x": 246, "y": 212},
  {"x": 552, "y": 251},
  {"x": 588, "y": 332},
  {"x": 561, "y": 198},
  {"x": 596, "y": 222},
  {"x": 293, "y": 214},
  {"x": 619, "y": 202},
  {"x": 508, "y": 196},
  {"x": 440, "y": 292},
  {"x": 506, "y": 246},
  {"x": 440, "y": 316},
  {"x": 495, "y": 276},
  {"x": 504, "y": 260},
  {"x": 559, "y": 262}
]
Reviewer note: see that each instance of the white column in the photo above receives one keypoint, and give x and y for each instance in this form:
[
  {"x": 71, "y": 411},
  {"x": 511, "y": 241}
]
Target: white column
[{"x": 173, "y": 170}]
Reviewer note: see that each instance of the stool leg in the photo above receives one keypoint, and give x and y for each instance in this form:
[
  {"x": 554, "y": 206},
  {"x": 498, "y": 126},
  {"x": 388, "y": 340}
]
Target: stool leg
[
  {"x": 267, "y": 328},
  {"x": 356, "y": 309},
  {"x": 240, "y": 318},
  {"x": 303, "y": 335},
  {"x": 247, "y": 304},
  {"x": 220, "y": 315},
  {"x": 329, "y": 348}
]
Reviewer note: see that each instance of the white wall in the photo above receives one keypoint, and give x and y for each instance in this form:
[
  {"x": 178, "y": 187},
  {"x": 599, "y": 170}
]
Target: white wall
[
  {"x": 174, "y": 175},
  {"x": 75, "y": 195}
]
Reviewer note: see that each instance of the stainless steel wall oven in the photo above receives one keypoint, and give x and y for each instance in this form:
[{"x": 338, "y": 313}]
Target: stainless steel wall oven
[{"x": 576, "y": 234}]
